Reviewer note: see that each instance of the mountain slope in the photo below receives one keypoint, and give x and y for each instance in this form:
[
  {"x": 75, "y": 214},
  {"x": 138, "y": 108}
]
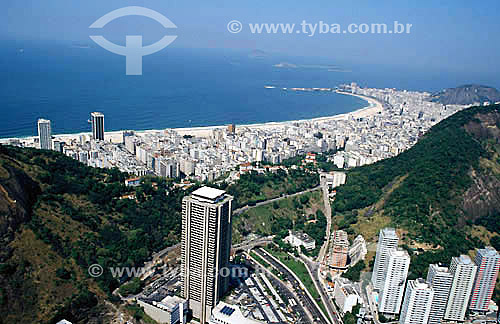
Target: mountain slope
[
  {"x": 58, "y": 217},
  {"x": 467, "y": 95},
  {"x": 443, "y": 193}
]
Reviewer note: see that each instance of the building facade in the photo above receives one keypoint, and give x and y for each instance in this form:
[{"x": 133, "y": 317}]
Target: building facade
[
  {"x": 340, "y": 250},
  {"x": 440, "y": 279},
  {"x": 206, "y": 245},
  {"x": 97, "y": 120},
  {"x": 464, "y": 272},
  {"x": 387, "y": 240},
  {"x": 358, "y": 250},
  {"x": 395, "y": 274},
  {"x": 417, "y": 302},
  {"x": 44, "y": 134},
  {"x": 487, "y": 261}
]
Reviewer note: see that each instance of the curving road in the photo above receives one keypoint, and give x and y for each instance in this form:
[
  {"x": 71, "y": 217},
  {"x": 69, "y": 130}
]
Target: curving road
[{"x": 262, "y": 203}]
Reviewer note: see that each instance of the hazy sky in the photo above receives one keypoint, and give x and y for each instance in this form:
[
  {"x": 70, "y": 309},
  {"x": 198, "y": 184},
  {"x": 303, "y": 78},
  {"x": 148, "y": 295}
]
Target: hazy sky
[{"x": 455, "y": 35}]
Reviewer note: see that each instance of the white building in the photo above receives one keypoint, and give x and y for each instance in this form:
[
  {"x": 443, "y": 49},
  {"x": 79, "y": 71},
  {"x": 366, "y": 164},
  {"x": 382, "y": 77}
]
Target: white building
[
  {"x": 298, "y": 239},
  {"x": 333, "y": 179},
  {"x": 346, "y": 296},
  {"x": 395, "y": 274},
  {"x": 170, "y": 310},
  {"x": 417, "y": 303},
  {"x": 440, "y": 279},
  {"x": 229, "y": 314},
  {"x": 464, "y": 272},
  {"x": 387, "y": 240},
  {"x": 487, "y": 261},
  {"x": 358, "y": 250},
  {"x": 44, "y": 134}
]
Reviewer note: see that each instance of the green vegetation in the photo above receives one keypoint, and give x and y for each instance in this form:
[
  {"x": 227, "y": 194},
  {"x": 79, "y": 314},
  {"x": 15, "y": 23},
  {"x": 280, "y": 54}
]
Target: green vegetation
[
  {"x": 132, "y": 287},
  {"x": 253, "y": 187},
  {"x": 304, "y": 212},
  {"x": 77, "y": 219},
  {"x": 350, "y": 317},
  {"x": 423, "y": 189},
  {"x": 354, "y": 273},
  {"x": 260, "y": 260}
]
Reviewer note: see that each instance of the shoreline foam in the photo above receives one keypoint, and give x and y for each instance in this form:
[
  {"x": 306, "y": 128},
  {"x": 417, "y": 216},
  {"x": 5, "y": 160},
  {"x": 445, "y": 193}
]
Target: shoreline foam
[{"x": 372, "y": 109}]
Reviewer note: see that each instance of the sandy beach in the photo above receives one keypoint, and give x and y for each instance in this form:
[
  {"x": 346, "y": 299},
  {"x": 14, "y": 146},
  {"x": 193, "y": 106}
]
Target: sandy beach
[{"x": 372, "y": 109}]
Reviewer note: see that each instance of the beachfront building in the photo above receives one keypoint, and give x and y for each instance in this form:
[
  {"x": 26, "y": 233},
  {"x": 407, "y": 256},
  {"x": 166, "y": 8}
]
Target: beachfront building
[
  {"x": 97, "y": 121},
  {"x": 44, "y": 134}
]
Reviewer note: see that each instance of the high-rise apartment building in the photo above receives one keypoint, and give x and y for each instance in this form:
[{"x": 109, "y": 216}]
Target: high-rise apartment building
[
  {"x": 387, "y": 240},
  {"x": 97, "y": 120},
  {"x": 488, "y": 263},
  {"x": 464, "y": 272},
  {"x": 417, "y": 302},
  {"x": 206, "y": 244},
  {"x": 395, "y": 274},
  {"x": 340, "y": 250},
  {"x": 440, "y": 279},
  {"x": 44, "y": 134}
]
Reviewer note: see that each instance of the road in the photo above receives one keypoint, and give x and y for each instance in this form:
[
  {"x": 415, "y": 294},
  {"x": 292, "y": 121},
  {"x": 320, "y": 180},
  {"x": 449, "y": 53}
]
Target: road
[
  {"x": 328, "y": 215},
  {"x": 248, "y": 245},
  {"x": 262, "y": 203},
  {"x": 305, "y": 316},
  {"x": 302, "y": 293},
  {"x": 314, "y": 268}
]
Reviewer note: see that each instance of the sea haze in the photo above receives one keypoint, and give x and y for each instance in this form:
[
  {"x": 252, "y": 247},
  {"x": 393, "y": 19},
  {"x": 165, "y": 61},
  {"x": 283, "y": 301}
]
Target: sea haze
[{"x": 178, "y": 88}]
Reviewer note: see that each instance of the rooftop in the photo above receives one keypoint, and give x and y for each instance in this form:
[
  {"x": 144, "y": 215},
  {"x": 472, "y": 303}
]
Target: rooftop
[
  {"x": 209, "y": 193},
  {"x": 230, "y": 314},
  {"x": 488, "y": 251}
]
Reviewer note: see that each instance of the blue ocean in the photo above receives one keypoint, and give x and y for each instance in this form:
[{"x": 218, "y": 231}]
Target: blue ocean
[{"x": 65, "y": 82}]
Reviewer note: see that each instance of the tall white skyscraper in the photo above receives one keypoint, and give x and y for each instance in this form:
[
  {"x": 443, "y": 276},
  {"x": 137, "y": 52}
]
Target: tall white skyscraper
[
  {"x": 44, "y": 134},
  {"x": 488, "y": 263},
  {"x": 417, "y": 302},
  {"x": 395, "y": 274},
  {"x": 206, "y": 244},
  {"x": 464, "y": 272},
  {"x": 97, "y": 120},
  {"x": 387, "y": 240},
  {"x": 440, "y": 279}
]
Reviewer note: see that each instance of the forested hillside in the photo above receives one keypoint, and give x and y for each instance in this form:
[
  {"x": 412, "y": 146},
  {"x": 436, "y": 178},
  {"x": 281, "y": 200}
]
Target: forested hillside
[{"x": 443, "y": 193}]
